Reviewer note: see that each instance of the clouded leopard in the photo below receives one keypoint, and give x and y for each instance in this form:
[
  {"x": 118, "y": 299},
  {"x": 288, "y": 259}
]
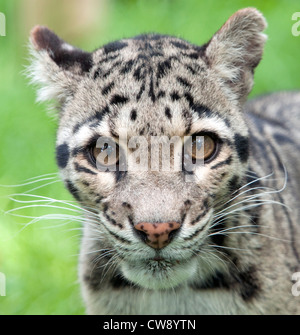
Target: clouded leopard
[{"x": 218, "y": 231}]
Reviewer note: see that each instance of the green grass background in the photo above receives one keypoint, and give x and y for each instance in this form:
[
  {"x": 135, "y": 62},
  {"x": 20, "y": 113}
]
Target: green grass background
[{"x": 40, "y": 263}]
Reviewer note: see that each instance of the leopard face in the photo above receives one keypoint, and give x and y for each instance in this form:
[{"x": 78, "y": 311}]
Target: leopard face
[{"x": 155, "y": 228}]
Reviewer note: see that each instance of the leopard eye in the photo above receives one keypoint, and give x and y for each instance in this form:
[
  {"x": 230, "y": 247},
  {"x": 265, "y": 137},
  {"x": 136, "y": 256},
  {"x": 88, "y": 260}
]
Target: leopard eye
[
  {"x": 105, "y": 153},
  {"x": 202, "y": 147}
]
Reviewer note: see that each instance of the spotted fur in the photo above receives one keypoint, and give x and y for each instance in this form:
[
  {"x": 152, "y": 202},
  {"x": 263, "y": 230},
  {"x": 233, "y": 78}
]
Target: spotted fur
[{"x": 237, "y": 245}]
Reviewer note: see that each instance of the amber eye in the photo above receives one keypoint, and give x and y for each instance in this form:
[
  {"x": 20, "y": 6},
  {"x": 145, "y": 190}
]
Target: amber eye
[
  {"x": 106, "y": 154},
  {"x": 202, "y": 147}
]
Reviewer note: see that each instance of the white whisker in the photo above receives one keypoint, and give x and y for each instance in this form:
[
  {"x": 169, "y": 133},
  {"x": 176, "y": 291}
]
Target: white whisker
[
  {"x": 30, "y": 181},
  {"x": 228, "y": 248},
  {"x": 69, "y": 203},
  {"x": 41, "y": 186}
]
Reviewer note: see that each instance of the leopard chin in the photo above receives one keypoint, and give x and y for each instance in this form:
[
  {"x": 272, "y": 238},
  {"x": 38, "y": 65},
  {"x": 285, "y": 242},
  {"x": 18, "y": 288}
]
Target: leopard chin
[{"x": 159, "y": 274}]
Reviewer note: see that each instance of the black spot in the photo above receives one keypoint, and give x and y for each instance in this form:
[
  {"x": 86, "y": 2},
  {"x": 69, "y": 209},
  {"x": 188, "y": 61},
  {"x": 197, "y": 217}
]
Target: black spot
[
  {"x": 189, "y": 99},
  {"x": 174, "y": 96},
  {"x": 80, "y": 168},
  {"x": 184, "y": 82},
  {"x": 242, "y": 147},
  {"x": 245, "y": 281},
  {"x": 97, "y": 73},
  {"x": 156, "y": 54},
  {"x": 249, "y": 285},
  {"x": 127, "y": 67},
  {"x": 105, "y": 207},
  {"x": 130, "y": 219},
  {"x": 194, "y": 68},
  {"x": 62, "y": 155},
  {"x": 226, "y": 120},
  {"x": 142, "y": 56},
  {"x": 151, "y": 90},
  {"x": 195, "y": 233},
  {"x": 107, "y": 59},
  {"x": 190, "y": 69},
  {"x": 78, "y": 150},
  {"x": 153, "y": 37},
  {"x": 72, "y": 189},
  {"x": 216, "y": 280},
  {"x": 180, "y": 45},
  {"x": 97, "y": 117},
  {"x": 77, "y": 127},
  {"x": 93, "y": 279},
  {"x": 161, "y": 94},
  {"x": 142, "y": 89},
  {"x": 138, "y": 74},
  {"x": 168, "y": 113},
  {"x": 217, "y": 237},
  {"x": 254, "y": 216},
  {"x": 119, "y": 281},
  {"x": 201, "y": 52},
  {"x": 234, "y": 184},
  {"x": 118, "y": 99},
  {"x": 108, "y": 88},
  {"x": 133, "y": 115},
  {"x": 106, "y": 74},
  {"x": 120, "y": 238},
  {"x": 126, "y": 205},
  {"x": 192, "y": 55},
  {"x": 112, "y": 221},
  {"x": 94, "y": 276},
  {"x": 120, "y": 175},
  {"x": 225, "y": 162},
  {"x": 105, "y": 111},
  {"x": 205, "y": 210},
  {"x": 98, "y": 200},
  {"x": 162, "y": 68},
  {"x": 186, "y": 116},
  {"x": 115, "y": 64},
  {"x": 202, "y": 110},
  {"x": 114, "y": 46}
]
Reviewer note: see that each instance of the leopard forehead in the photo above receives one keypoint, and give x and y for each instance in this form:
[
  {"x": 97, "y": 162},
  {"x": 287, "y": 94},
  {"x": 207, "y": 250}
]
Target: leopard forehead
[
  {"x": 147, "y": 50},
  {"x": 150, "y": 84}
]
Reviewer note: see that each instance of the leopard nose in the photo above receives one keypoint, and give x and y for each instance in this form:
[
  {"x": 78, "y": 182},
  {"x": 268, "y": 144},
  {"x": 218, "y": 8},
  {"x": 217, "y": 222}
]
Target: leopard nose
[{"x": 157, "y": 235}]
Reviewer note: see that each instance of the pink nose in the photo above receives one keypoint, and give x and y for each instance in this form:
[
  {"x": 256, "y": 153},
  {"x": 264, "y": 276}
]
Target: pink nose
[{"x": 157, "y": 234}]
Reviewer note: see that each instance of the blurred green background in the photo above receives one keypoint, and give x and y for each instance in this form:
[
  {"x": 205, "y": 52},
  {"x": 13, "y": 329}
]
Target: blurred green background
[{"x": 40, "y": 260}]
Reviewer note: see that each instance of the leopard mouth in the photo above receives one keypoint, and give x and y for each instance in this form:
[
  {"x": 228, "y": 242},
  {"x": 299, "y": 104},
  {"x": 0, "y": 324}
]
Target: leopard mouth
[{"x": 159, "y": 273}]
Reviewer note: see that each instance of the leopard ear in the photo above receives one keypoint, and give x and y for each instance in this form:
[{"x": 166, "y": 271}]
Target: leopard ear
[
  {"x": 236, "y": 49},
  {"x": 56, "y": 66}
]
